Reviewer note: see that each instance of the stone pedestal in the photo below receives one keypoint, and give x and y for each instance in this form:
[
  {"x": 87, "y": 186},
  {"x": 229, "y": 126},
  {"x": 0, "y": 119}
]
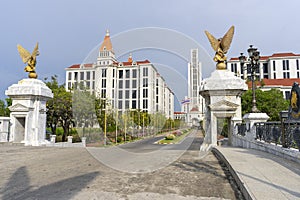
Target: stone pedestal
[
  {"x": 28, "y": 111},
  {"x": 222, "y": 92},
  {"x": 4, "y": 128},
  {"x": 250, "y": 119}
]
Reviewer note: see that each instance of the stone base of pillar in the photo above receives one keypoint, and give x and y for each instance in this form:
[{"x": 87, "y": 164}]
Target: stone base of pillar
[
  {"x": 250, "y": 119},
  {"x": 207, "y": 146}
]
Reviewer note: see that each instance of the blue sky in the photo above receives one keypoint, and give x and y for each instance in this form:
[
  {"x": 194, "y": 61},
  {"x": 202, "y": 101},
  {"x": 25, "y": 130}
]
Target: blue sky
[{"x": 68, "y": 30}]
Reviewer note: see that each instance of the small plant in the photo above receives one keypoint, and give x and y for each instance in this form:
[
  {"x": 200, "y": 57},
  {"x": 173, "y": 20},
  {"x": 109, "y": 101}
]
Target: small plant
[{"x": 170, "y": 137}]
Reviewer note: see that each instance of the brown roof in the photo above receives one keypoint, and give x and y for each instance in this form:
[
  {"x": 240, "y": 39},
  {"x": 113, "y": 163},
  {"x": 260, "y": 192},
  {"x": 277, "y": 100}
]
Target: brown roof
[
  {"x": 130, "y": 63},
  {"x": 178, "y": 113},
  {"x": 195, "y": 109},
  {"x": 90, "y": 65},
  {"x": 276, "y": 82},
  {"x": 77, "y": 66},
  {"x": 275, "y": 55},
  {"x": 284, "y": 54},
  {"x": 106, "y": 44}
]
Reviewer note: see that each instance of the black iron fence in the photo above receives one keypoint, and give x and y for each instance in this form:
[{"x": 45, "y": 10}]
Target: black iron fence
[{"x": 285, "y": 133}]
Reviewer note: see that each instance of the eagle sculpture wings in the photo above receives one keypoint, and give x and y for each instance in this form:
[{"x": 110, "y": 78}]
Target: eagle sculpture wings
[
  {"x": 29, "y": 59},
  {"x": 221, "y": 46}
]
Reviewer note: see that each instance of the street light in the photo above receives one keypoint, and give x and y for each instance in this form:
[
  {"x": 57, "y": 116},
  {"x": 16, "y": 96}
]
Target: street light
[{"x": 253, "y": 66}]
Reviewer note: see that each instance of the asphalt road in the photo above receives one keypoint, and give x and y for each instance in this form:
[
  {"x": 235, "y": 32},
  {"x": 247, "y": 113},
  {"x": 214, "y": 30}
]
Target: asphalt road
[{"x": 75, "y": 173}]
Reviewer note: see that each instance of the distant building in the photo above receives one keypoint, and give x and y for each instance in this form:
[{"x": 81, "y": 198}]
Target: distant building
[
  {"x": 193, "y": 104},
  {"x": 126, "y": 85},
  {"x": 279, "y": 70},
  {"x": 276, "y": 66}
]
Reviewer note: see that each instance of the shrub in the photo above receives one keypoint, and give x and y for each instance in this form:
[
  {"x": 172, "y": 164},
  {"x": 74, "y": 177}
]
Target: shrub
[
  {"x": 119, "y": 139},
  {"x": 170, "y": 137}
]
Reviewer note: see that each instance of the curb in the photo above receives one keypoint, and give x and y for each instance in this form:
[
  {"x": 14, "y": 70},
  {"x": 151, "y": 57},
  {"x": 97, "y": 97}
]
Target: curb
[{"x": 243, "y": 188}]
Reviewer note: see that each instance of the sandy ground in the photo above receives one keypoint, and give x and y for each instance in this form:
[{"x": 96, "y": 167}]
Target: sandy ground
[{"x": 72, "y": 173}]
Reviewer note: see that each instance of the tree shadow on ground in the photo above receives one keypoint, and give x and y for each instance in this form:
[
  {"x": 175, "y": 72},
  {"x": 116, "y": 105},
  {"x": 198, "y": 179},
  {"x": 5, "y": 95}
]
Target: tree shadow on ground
[
  {"x": 18, "y": 187},
  {"x": 198, "y": 166}
]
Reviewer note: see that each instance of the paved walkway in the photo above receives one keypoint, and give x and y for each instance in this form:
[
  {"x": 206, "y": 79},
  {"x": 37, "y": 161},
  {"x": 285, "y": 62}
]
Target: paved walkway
[{"x": 263, "y": 175}]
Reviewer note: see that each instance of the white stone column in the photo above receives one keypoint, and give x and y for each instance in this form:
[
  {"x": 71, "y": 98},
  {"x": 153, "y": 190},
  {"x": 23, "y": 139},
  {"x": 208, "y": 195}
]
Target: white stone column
[{"x": 222, "y": 92}]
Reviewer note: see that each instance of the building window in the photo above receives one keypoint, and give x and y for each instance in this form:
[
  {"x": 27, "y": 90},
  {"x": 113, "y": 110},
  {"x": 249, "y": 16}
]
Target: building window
[
  {"x": 286, "y": 74},
  {"x": 145, "y": 93},
  {"x": 103, "y": 93},
  {"x": 120, "y": 84},
  {"x": 145, "y": 71},
  {"x": 134, "y": 104},
  {"x": 75, "y": 76},
  {"x": 274, "y": 75},
  {"x": 126, "y": 94},
  {"x": 274, "y": 66},
  {"x": 114, "y": 71},
  {"x": 103, "y": 72},
  {"x": 88, "y": 84},
  {"x": 103, "y": 83},
  {"x": 133, "y": 83},
  {"x": 297, "y": 64},
  {"x": 121, "y": 74},
  {"x": 127, "y": 73},
  {"x": 120, "y": 105},
  {"x": 121, "y": 94},
  {"x": 265, "y": 68},
  {"x": 287, "y": 95},
  {"x": 126, "y": 104},
  {"x": 69, "y": 76},
  {"x": 298, "y": 75},
  {"x": 81, "y": 75},
  {"x": 88, "y": 75},
  {"x": 145, "y": 82},
  {"x": 93, "y": 75},
  {"x": 127, "y": 82},
  {"x": 145, "y": 103},
  {"x": 134, "y": 74},
  {"x": 285, "y": 64},
  {"x": 134, "y": 94}
]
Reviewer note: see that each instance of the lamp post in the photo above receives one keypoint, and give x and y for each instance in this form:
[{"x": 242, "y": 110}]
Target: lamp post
[{"x": 252, "y": 66}]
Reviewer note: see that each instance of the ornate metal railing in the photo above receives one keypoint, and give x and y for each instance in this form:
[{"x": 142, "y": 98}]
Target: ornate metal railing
[
  {"x": 285, "y": 133},
  {"x": 241, "y": 129}
]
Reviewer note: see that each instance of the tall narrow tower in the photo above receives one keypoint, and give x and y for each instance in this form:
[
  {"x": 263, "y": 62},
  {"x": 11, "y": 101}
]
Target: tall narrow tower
[{"x": 194, "y": 109}]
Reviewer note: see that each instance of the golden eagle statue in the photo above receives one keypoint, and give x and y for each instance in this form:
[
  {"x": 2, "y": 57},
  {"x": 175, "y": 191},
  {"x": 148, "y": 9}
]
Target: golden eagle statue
[
  {"x": 30, "y": 59},
  {"x": 221, "y": 47}
]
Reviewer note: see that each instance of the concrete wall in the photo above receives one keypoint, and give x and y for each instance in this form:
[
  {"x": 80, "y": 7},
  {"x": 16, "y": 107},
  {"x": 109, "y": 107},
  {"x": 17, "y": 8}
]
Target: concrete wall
[{"x": 290, "y": 154}]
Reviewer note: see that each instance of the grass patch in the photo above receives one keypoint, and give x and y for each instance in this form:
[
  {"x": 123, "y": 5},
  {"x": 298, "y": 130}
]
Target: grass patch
[{"x": 178, "y": 137}]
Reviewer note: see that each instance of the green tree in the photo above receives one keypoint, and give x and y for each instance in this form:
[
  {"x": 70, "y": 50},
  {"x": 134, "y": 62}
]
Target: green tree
[
  {"x": 270, "y": 102},
  {"x": 83, "y": 106},
  {"x": 4, "y": 110},
  {"x": 104, "y": 113},
  {"x": 59, "y": 109}
]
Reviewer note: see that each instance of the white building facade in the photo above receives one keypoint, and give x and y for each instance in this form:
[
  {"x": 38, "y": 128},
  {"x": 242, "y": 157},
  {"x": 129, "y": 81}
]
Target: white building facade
[
  {"x": 273, "y": 72},
  {"x": 126, "y": 85}
]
